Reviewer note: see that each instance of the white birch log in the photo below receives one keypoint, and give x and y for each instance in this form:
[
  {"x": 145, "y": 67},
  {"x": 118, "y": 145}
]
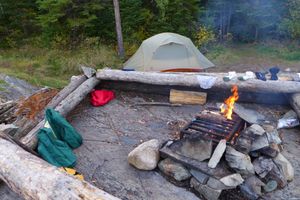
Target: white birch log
[
  {"x": 64, "y": 107},
  {"x": 190, "y": 80},
  {"x": 33, "y": 178}
]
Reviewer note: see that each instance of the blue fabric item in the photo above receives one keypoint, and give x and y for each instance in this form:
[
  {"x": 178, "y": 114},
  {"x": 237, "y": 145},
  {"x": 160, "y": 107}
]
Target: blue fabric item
[
  {"x": 261, "y": 76},
  {"x": 274, "y": 71}
]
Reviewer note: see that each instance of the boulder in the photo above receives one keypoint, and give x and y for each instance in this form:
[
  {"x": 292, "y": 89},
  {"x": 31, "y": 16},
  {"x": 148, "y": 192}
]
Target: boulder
[
  {"x": 217, "y": 155},
  {"x": 239, "y": 161},
  {"x": 260, "y": 142},
  {"x": 285, "y": 166},
  {"x": 145, "y": 156},
  {"x": 173, "y": 169}
]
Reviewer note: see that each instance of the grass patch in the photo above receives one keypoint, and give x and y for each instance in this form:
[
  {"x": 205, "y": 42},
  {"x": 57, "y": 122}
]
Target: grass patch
[{"x": 54, "y": 67}]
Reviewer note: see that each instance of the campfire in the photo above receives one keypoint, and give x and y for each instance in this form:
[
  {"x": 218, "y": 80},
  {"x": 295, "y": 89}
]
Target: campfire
[{"x": 222, "y": 152}]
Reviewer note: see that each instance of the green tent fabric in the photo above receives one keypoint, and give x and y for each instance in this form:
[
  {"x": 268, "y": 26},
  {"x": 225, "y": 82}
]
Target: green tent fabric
[
  {"x": 54, "y": 151},
  {"x": 62, "y": 129}
]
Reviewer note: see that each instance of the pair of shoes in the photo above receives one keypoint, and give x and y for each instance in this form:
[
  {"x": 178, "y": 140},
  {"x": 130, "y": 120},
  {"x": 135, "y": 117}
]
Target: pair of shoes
[{"x": 262, "y": 75}]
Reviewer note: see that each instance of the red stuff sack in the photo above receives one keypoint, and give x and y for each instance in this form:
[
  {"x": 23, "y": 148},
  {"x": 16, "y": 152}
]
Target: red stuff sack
[{"x": 101, "y": 97}]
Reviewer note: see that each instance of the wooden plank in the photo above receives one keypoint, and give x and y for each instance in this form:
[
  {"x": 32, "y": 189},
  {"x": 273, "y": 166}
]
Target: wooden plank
[
  {"x": 33, "y": 178},
  {"x": 187, "y": 97}
]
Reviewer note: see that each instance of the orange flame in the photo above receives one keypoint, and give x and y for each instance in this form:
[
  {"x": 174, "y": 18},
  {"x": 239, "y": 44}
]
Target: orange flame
[{"x": 230, "y": 103}]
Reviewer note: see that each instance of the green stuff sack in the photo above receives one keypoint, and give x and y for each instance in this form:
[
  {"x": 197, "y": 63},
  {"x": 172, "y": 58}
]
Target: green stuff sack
[
  {"x": 54, "y": 151},
  {"x": 62, "y": 129}
]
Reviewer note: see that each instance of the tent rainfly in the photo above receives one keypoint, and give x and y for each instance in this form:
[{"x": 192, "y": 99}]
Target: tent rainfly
[{"x": 167, "y": 51}]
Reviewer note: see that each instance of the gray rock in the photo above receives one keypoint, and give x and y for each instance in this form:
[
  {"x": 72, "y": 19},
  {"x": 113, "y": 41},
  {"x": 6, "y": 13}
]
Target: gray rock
[
  {"x": 232, "y": 180},
  {"x": 277, "y": 174},
  {"x": 239, "y": 161},
  {"x": 251, "y": 188},
  {"x": 145, "y": 156},
  {"x": 217, "y": 155},
  {"x": 256, "y": 129},
  {"x": 285, "y": 166},
  {"x": 195, "y": 148},
  {"x": 273, "y": 137},
  {"x": 205, "y": 190},
  {"x": 270, "y": 186},
  {"x": 201, "y": 177},
  {"x": 250, "y": 116},
  {"x": 9, "y": 129},
  {"x": 263, "y": 166},
  {"x": 271, "y": 151},
  {"x": 217, "y": 184},
  {"x": 174, "y": 169},
  {"x": 259, "y": 143}
]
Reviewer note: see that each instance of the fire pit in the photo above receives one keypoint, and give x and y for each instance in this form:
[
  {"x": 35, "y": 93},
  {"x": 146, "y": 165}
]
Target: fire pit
[
  {"x": 221, "y": 152},
  {"x": 212, "y": 125}
]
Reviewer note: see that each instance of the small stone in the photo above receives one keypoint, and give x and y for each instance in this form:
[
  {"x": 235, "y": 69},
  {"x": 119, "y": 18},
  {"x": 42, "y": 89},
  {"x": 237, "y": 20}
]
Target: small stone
[
  {"x": 239, "y": 161},
  {"x": 9, "y": 129},
  {"x": 218, "y": 153},
  {"x": 251, "y": 188},
  {"x": 145, "y": 156},
  {"x": 205, "y": 190},
  {"x": 201, "y": 177},
  {"x": 285, "y": 166},
  {"x": 270, "y": 186},
  {"x": 263, "y": 166},
  {"x": 174, "y": 169},
  {"x": 195, "y": 148},
  {"x": 232, "y": 180}
]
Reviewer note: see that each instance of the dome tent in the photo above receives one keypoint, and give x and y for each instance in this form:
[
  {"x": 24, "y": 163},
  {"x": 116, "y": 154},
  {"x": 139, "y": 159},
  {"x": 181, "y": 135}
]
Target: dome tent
[{"x": 167, "y": 51}]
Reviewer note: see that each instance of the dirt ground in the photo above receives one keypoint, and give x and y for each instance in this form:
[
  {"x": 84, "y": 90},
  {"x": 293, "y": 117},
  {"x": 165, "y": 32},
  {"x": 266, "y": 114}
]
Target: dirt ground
[{"x": 112, "y": 131}]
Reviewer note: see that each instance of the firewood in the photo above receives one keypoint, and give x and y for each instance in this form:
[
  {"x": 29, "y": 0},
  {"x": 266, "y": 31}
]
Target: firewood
[
  {"x": 187, "y": 97},
  {"x": 33, "y": 178}
]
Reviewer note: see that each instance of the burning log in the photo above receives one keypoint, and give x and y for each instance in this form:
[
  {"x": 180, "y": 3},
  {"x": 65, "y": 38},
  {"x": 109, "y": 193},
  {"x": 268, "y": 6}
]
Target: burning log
[
  {"x": 190, "y": 80},
  {"x": 33, "y": 178}
]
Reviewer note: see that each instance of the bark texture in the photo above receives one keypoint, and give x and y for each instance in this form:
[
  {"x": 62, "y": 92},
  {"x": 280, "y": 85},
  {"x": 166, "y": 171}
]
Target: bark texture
[
  {"x": 33, "y": 178},
  {"x": 190, "y": 80}
]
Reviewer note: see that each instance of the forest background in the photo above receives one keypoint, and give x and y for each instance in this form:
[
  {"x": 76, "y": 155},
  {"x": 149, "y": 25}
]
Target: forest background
[{"x": 45, "y": 41}]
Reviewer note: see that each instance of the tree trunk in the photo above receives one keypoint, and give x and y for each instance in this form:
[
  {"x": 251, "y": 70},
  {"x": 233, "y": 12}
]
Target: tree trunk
[
  {"x": 121, "y": 51},
  {"x": 64, "y": 107},
  {"x": 33, "y": 178},
  {"x": 26, "y": 125},
  {"x": 190, "y": 80}
]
